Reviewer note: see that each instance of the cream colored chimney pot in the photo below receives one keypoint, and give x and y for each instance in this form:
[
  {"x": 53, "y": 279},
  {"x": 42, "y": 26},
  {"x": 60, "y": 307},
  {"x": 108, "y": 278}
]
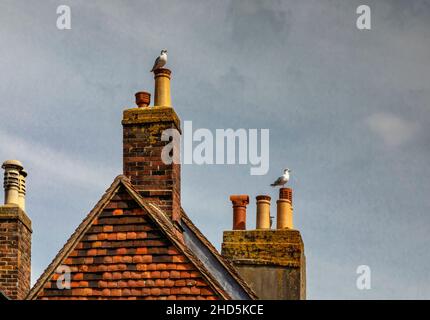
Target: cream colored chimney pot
[
  {"x": 11, "y": 181},
  {"x": 14, "y": 183},
  {"x": 263, "y": 212},
  {"x": 162, "y": 88}
]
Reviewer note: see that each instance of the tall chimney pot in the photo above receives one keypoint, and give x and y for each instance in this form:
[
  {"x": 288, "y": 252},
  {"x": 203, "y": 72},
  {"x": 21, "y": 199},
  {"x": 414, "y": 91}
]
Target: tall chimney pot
[
  {"x": 162, "y": 78},
  {"x": 263, "y": 212},
  {"x": 284, "y": 219},
  {"x": 239, "y": 203}
]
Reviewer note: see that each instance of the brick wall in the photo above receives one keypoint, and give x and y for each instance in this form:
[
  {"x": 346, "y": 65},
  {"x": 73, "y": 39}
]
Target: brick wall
[
  {"x": 15, "y": 252},
  {"x": 142, "y": 163},
  {"x": 124, "y": 255}
]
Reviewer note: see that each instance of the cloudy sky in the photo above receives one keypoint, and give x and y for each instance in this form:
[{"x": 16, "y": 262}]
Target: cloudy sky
[{"x": 348, "y": 111}]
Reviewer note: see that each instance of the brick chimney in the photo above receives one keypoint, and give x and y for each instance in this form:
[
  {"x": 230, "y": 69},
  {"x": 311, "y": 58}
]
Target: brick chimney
[
  {"x": 142, "y": 147},
  {"x": 15, "y": 234}
]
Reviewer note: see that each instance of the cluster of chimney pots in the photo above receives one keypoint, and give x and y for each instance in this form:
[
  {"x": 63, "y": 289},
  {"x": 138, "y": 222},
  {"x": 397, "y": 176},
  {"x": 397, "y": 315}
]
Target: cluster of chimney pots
[
  {"x": 14, "y": 187},
  {"x": 284, "y": 211}
]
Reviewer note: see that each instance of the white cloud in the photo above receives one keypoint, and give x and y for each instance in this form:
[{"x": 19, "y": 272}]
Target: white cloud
[
  {"x": 44, "y": 162},
  {"x": 392, "y": 129}
]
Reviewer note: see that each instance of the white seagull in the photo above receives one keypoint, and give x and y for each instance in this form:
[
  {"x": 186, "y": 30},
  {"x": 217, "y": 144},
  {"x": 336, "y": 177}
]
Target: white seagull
[
  {"x": 282, "y": 179},
  {"x": 160, "y": 61}
]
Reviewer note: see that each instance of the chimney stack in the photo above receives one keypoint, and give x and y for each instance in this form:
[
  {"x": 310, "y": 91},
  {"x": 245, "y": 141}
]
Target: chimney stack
[
  {"x": 15, "y": 234},
  {"x": 263, "y": 212},
  {"x": 239, "y": 211},
  {"x": 271, "y": 261},
  {"x": 156, "y": 180},
  {"x": 284, "y": 219},
  {"x": 162, "y": 88}
]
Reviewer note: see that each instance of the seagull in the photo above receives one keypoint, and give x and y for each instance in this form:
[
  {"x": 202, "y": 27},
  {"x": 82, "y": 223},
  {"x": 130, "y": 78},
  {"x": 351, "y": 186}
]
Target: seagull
[
  {"x": 160, "y": 61},
  {"x": 282, "y": 179}
]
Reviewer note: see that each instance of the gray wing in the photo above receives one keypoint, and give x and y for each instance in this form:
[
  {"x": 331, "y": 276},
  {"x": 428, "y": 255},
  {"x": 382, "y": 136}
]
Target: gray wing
[
  {"x": 277, "y": 182},
  {"x": 155, "y": 64}
]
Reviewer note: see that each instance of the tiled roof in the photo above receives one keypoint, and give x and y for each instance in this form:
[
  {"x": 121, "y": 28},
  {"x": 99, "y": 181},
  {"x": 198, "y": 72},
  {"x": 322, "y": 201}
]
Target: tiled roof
[{"x": 127, "y": 248}]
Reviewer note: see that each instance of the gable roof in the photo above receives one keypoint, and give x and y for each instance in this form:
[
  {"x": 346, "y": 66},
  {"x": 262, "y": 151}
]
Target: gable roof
[{"x": 170, "y": 231}]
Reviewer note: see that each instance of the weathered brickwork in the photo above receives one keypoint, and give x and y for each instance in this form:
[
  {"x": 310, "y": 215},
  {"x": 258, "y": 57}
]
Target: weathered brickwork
[
  {"x": 275, "y": 256},
  {"x": 124, "y": 255},
  {"x": 15, "y": 252},
  {"x": 142, "y": 163}
]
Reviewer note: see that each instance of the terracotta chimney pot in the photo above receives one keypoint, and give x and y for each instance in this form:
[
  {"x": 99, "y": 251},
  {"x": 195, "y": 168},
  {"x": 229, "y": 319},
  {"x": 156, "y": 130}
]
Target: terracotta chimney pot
[
  {"x": 284, "y": 219},
  {"x": 143, "y": 99},
  {"x": 239, "y": 203}
]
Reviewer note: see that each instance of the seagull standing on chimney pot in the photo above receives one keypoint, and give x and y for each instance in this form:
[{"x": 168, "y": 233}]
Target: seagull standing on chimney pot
[
  {"x": 282, "y": 179},
  {"x": 160, "y": 61}
]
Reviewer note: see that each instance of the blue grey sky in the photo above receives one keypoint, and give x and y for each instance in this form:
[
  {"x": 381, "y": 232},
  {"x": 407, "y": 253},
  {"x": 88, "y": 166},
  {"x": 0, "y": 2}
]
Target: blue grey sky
[{"x": 348, "y": 111}]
